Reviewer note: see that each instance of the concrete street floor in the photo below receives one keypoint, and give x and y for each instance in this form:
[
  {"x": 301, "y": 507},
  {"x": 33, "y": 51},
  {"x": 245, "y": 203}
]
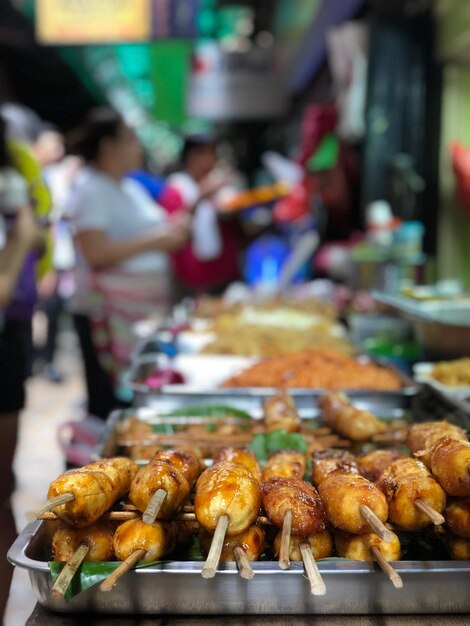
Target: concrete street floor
[{"x": 39, "y": 458}]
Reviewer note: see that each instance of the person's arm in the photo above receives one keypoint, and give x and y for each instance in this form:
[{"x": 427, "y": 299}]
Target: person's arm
[
  {"x": 25, "y": 235},
  {"x": 100, "y": 251}
]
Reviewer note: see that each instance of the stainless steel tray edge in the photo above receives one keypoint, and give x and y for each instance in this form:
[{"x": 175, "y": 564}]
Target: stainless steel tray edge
[
  {"x": 143, "y": 394},
  {"x": 178, "y": 588}
]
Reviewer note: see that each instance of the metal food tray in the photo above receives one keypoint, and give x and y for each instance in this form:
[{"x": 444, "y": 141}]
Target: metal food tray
[
  {"x": 177, "y": 587},
  {"x": 108, "y": 442},
  {"x": 249, "y": 398},
  {"x": 442, "y": 327}
]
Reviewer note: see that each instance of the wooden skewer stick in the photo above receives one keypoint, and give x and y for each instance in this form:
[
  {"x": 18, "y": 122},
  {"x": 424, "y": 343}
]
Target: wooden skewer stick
[
  {"x": 377, "y": 526},
  {"x": 53, "y": 502},
  {"x": 317, "y": 585},
  {"x": 396, "y": 435},
  {"x": 213, "y": 558},
  {"x": 284, "y": 552},
  {"x": 436, "y": 518},
  {"x": 121, "y": 516},
  {"x": 387, "y": 568},
  {"x": 68, "y": 571},
  {"x": 244, "y": 568},
  {"x": 125, "y": 566},
  {"x": 153, "y": 507}
]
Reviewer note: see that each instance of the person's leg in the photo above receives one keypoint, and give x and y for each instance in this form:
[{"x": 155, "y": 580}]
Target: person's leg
[
  {"x": 15, "y": 350},
  {"x": 8, "y": 436},
  {"x": 101, "y": 397},
  {"x": 53, "y": 307}
]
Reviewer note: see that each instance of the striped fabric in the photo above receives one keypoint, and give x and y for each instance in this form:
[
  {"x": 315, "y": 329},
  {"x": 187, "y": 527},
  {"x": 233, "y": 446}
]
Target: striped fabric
[{"x": 120, "y": 299}]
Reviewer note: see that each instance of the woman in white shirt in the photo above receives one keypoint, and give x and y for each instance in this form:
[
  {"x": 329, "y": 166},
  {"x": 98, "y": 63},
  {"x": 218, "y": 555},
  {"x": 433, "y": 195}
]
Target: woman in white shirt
[{"x": 123, "y": 240}]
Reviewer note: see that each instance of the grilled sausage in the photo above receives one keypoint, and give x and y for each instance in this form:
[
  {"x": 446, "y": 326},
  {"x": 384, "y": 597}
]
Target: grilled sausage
[
  {"x": 403, "y": 482},
  {"x": 281, "y": 495},
  {"x": 244, "y": 457},
  {"x": 321, "y": 545},
  {"x": 159, "y": 475},
  {"x": 98, "y": 537},
  {"x": 342, "y": 495},
  {"x": 325, "y": 462},
  {"x": 340, "y": 415},
  {"x": 229, "y": 489},
  {"x": 285, "y": 464}
]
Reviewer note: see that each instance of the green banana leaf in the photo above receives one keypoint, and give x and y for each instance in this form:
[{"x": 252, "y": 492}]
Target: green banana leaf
[
  {"x": 90, "y": 574},
  {"x": 263, "y": 445},
  {"x": 210, "y": 410}
]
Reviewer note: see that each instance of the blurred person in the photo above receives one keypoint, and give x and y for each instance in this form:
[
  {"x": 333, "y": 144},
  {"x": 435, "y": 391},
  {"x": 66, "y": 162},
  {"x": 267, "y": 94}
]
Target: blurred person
[
  {"x": 209, "y": 261},
  {"x": 123, "y": 240},
  {"x": 20, "y": 236},
  {"x": 57, "y": 286}
]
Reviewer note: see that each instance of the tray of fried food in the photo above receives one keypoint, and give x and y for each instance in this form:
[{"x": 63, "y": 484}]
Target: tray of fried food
[{"x": 294, "y": 511}]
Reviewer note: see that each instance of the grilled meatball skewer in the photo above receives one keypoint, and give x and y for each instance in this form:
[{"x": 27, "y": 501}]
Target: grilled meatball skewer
[
  {"x": 244, "y": 457},
  {"x": 355, "y": 505},
  {"x": 372, "y": 464},
  {"x": 136, "y": 541},
  {"x": 227, "y": 502},
  {"x": 158, "y": 489},
  {"x": 75, "y": 545},
  {"x": 243, "y": 548},
  {"x": 414, "y": 498},
  {"x": 285, "y": 464},
  {"x": 449, "y": 462},
  {"x": 280, "y": 412},
  {"x": 425, "y": 435},
  {"x": 326, "y": 462},
  {"x": 347, "y": 420},
  {"x": 291, "y": 465},
  {"x": 80, "y": 497},
  {"x": 370, "y": 547},
  {"x": 185, "y": 462},
  {"x": 295, "y": 506}
]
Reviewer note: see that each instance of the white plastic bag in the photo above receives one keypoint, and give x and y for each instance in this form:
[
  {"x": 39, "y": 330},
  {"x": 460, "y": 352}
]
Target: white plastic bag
[{"x": 206, "y": 236}]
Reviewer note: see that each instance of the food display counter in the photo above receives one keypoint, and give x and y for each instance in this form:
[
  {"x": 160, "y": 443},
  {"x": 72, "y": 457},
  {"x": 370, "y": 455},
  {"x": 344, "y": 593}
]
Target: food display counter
[{"x": 213, "y": 408}]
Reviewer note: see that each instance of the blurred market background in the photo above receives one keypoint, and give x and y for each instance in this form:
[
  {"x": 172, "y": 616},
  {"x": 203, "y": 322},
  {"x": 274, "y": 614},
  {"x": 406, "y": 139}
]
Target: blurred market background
[{"x": 346, "y": 123}]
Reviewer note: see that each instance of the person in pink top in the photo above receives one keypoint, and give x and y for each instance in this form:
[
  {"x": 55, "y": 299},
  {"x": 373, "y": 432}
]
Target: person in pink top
[{"x": 210, "y": 259}]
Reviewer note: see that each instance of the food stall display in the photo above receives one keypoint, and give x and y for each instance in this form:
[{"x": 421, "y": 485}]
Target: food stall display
[{"x": 238, "y": 514}]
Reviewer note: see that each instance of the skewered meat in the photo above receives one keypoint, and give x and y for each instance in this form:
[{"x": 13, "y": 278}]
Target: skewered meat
[
  {"x": 285, "y": 464},
  {"x": 343, "y": 494},
  {"x": 459, "y": 548},
  {"x": 457, "y": 516},
  {"x": 372, "y": 464},
  {"x": 325, "y": 462},
  {"x": 449, "y": 462},
  {"x": 252, "y": 541},
  {"x": 321, "y": 545},
  {"x": 405, "y": 481},
  {"x": 280, "y": 412},
  {"x": 98, "y": 537},
  {"x": 347, "y": 420},
  {"x": 281, "y": 495},
  {"x": 184, "y": 461},
  {"x": 159, "y": 475},
  {"x": 244, "y": 457},
  {"x": 156, "y": 539},
  {"x": 424, "y": 435},
  {"x": 95, "y": 490},
  {"x": 227, "y": 489},
  {"x": 358, "y": 547}
]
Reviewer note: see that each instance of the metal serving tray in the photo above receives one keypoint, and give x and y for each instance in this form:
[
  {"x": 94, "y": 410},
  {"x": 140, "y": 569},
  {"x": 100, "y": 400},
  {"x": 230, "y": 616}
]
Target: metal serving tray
[
  {"x": 108, "y": 442},
  {"x": 249, "y": 398},
  {"x": 352, "y": 587},
  {"x": 442, "y": 327}
]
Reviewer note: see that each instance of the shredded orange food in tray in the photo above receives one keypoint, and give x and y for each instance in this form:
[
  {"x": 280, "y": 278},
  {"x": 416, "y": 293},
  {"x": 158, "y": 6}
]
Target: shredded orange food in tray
[{"x": 318, "y": 369}]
